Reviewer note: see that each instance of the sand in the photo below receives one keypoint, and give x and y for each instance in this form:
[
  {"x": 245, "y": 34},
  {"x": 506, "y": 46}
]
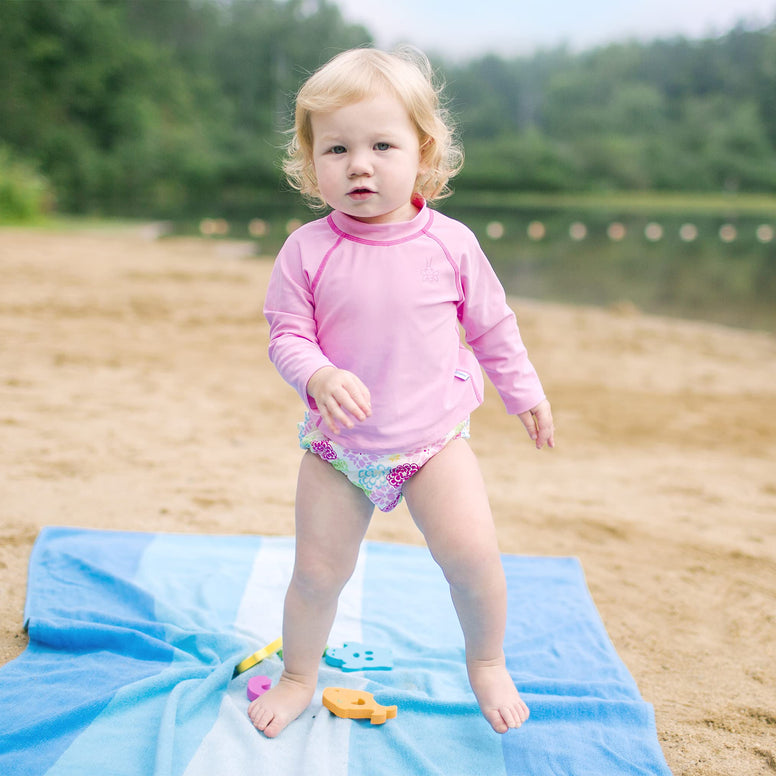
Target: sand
[{"x": 136, "y": 394}]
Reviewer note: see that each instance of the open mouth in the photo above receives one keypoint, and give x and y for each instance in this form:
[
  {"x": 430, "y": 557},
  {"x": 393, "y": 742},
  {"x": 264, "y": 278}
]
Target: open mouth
[{"x": 360, "y": 193}]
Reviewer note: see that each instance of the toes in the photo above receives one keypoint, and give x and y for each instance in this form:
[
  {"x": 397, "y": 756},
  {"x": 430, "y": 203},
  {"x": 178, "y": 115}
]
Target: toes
[
  {"x": 514, "y": 716},
  {"x": 497, "y": 721},
  {"x": 266, "y": 721},
  {"x": 258, "y": 720},
  {"x": 508, "y": 718},
  {"x": 273, "y": 728},
  {"x": 511, "y": 718},
  {"x": 260, "y": 717}
]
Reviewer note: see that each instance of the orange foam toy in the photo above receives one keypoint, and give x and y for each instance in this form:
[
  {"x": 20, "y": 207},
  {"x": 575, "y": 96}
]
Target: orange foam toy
[{"x": 356, "y": 704}]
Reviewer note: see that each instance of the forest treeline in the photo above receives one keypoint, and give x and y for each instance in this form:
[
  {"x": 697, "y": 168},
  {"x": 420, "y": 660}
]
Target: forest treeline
[{"x": 148, "y": 108}]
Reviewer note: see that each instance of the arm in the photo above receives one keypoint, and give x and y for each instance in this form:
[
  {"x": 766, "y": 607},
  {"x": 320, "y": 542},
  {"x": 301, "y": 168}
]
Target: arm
[
  {"x": 290, "y": 311},
  {"x": 492, "y": 332},
  {"x": 295, "y": 351}
]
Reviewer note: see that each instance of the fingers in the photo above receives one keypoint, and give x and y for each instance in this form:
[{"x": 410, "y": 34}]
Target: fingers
[
  {"x": 339, "y": 410},
  {"x": 539, "y": 424},
  {"x": 544, "y": 426},
  {"x": 340, "y": 396}
]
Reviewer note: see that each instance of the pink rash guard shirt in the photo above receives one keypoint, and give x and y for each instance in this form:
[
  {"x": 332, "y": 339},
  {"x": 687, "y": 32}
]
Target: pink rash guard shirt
[{"x": 384, "y": 301}]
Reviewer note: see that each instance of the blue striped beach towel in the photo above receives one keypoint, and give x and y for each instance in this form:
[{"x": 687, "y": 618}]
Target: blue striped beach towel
[{"x": 134, "y": 638}]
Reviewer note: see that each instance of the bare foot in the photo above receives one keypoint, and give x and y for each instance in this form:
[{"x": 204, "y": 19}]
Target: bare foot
[
  {"x": 496, "y": 694},
  {"x": 273, "y": 710}
]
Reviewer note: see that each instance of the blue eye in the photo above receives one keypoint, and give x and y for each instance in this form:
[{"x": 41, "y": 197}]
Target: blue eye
[
  {"x": 338, "y": 149},
  {"x": 382, "y": 146}
]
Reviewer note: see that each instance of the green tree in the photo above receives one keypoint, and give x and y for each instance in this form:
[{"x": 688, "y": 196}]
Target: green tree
[
  {"x": 144, "y": 107},
  {"x": 528, "y": 161},
  {"x": 147, "y": 107}
]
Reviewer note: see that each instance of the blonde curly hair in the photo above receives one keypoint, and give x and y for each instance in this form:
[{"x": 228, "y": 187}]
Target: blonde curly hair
[{"x": 362, "y": 73}]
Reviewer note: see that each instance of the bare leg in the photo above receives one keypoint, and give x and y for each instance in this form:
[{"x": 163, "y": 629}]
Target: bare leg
[
  {"x": 448, "y": 501},
  {"x": 332, "y": 516}
]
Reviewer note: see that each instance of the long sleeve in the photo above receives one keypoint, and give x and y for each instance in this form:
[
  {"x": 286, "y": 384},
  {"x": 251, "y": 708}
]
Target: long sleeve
[
  {"x": 492, "y": 332},
  {"x": 384, "y": 302},
  {"x": 289, "y": 307}
]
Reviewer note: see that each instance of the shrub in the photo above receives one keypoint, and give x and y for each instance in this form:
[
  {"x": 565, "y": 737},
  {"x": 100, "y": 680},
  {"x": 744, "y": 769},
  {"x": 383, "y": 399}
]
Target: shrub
[{"x": 25, "y": 195}]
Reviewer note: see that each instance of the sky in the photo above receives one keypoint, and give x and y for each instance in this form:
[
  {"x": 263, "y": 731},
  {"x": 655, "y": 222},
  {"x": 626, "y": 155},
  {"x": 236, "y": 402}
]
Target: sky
[{"x": 463, "y": 29}]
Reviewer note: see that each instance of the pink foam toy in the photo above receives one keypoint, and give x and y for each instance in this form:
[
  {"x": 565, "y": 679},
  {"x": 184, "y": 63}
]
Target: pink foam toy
[{"x": 258, "y": 685}]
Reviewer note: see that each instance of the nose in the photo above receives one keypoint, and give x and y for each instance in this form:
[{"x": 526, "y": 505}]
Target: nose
[{"x": 360, "y": 164}]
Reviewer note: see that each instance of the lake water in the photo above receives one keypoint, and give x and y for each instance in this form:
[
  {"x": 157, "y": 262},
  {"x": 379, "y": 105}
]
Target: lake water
[{"x": 719, "y": 267}]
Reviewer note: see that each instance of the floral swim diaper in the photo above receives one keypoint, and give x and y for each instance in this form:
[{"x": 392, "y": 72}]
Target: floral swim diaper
[{"x": 379, "y": 475}]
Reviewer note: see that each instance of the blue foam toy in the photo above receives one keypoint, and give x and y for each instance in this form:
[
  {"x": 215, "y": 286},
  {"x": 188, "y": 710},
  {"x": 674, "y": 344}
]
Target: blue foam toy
[{"x": 360, "y": 657}]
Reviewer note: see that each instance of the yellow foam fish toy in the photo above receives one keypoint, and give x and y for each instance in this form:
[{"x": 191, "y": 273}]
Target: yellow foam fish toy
[{"x": 356, "y": 704}]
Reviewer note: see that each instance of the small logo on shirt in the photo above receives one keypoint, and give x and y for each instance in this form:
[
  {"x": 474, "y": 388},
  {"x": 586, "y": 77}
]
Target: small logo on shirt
[{"x": 429, "y": 273}]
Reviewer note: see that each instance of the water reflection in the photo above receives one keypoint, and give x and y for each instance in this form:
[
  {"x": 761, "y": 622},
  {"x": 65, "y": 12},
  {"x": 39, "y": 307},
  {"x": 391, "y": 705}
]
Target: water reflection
[{"x": 717, "y": 268}]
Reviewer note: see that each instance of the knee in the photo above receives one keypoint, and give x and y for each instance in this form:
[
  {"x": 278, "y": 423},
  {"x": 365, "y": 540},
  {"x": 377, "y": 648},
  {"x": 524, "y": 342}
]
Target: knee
[
  {"x": 471, "y": 567},
  {"x": 320, "y": 578}
]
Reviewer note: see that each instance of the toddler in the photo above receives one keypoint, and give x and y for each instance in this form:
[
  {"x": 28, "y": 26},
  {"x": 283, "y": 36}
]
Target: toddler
[{"x": 364, "y": 307}]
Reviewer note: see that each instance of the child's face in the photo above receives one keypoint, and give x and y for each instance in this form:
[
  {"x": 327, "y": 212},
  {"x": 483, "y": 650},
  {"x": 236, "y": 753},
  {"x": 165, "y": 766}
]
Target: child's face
[{"x": 366, "y": 157}]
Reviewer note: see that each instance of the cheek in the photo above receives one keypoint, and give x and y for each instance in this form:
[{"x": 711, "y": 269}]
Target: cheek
[{"x": 323, "y": 173}]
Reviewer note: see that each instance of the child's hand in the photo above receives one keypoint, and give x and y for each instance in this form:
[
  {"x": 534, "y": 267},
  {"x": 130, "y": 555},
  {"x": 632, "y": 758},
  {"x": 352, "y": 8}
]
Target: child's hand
[
  {"x": 340, "y": 397},
  {"x": 538, "y": 424}
]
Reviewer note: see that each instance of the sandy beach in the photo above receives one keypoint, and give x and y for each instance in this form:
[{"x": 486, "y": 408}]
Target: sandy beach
[{"x": 136, "y": 394}]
